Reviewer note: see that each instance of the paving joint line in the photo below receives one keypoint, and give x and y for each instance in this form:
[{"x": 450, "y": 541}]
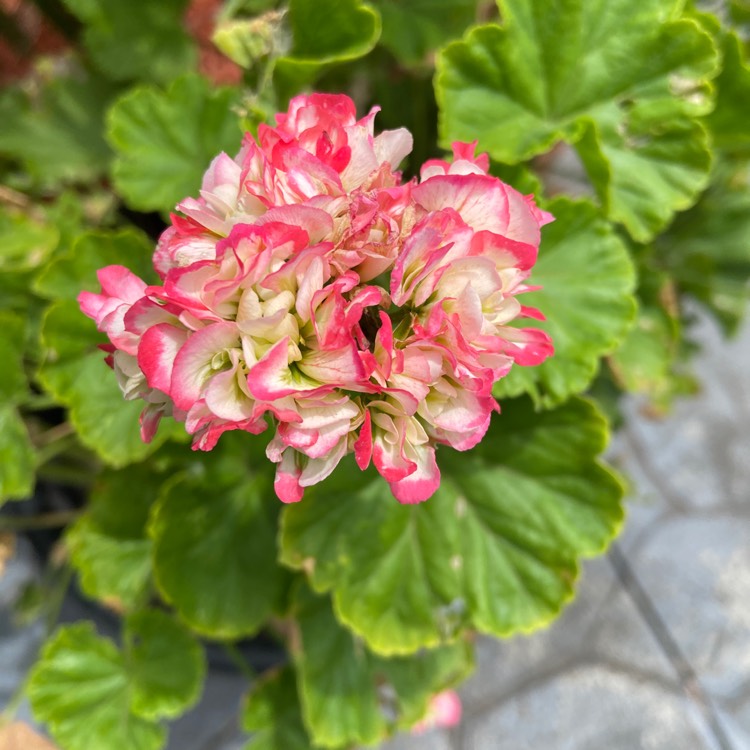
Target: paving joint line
[{"x": 686, "y": 674}]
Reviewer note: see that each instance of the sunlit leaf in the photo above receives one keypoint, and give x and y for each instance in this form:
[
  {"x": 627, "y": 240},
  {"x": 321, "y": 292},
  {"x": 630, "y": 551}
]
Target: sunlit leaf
[{"x": 496, "y": 548}]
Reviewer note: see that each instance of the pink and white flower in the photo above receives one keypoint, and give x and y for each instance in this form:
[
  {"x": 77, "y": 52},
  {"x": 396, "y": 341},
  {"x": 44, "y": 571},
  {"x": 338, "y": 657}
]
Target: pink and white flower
[{"x": 310, "y": 291}]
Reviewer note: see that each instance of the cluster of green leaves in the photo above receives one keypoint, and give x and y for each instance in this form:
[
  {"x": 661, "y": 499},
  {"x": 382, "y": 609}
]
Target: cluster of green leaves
[{"x": 627, "y": 122}]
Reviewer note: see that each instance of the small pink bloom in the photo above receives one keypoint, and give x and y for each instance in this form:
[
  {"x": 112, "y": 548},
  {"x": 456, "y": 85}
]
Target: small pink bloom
[{"x": 444, "y": 712}]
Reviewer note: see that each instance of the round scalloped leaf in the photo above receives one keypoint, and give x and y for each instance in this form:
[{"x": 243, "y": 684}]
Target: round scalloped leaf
[
  {"x": 165, "y": 140},
  {"x": 215, "y": 550},
  {"x": 496, "y": 548},
  {"x": 80, "y": 688},
  {"x": 587, "y": 281},
  {"x": 634, "y": 75}
]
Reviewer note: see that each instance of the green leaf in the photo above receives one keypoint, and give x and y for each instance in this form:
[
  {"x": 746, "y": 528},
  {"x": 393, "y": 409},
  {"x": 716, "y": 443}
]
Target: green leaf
[
  {"x": 728, "y": 121},
  {"x": 414, "y": 29},
  {"x": 75, "y": 373},
  {"x": 165, "y": 140},
  {"x": 647, "y": 360},
  {"x": 627, "y": 78},
  {"x": 94, "y": 696},
  {"x": 351, "y": 696},
  {"x": 165, "y": 663},
  {"x": 75, "y": 270},
  {"x": 137, "y": 40},
  {"x": 273, "y": 713},
  {"x": 707, "y": 249},
  {"x": 215, "y": 549},
  {"x": 655, "y": 169},
  {"x": 109, "y": 546},
  {"x": 325, "y": 32},
  {"x": 27, "y": 240},
  {"x": 57, "y": 135},
  {"x": 496, "y": 548},
  {"x": 17, "y": 457},
  {"x": 587, "y": 282},
  {"x": 12, "y": 377},
  {"x": 80, "y": 689}
]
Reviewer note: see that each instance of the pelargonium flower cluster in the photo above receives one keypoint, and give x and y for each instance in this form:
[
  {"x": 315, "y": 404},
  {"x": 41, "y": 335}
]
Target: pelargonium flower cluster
[{"x": 309, "y": 289}]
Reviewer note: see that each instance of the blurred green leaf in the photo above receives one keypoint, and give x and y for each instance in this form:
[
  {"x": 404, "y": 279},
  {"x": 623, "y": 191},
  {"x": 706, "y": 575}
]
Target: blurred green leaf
[
  {"x": 728, "y": 122},
  {"x": 496, "y": 548},
  {"x": 17, "y": 458},
  {"x": 109, "y": 546},
  {"x": 75, "y": 270},
  {"x": 630, "y": 77},
  {"x": 648, "y": 361},
  {"x": 57, "y": 133},
  {"x": 412, "y": 29},
  {"x": 350, "y": 696},
  {"x": 12, "y": 377},
  {"x": 707, "y": 249},
  {"x": 273, "y": 714},
  {"x": 138, "y": 39},
  {"x": 25, "y": 240},
  {"x": 75, "y": 373},
  {"x": 165, "y": 140},
  {"x": 587, "y": 282}
]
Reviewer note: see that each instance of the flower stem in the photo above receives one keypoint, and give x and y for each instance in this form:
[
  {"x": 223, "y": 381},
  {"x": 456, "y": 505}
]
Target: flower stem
[{"x": 239, "y": 661}]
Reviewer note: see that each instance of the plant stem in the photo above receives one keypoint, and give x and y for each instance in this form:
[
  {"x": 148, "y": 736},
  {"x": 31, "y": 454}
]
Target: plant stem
[
  {"x": 43, "y": 521},
  {"x": 38, "y": 402},
  {"x": 78, "y": 477},
  {"x": 8, "y": 714},
  {"x": 49, "y": 451},
  {"x": 234, "y": 654}
]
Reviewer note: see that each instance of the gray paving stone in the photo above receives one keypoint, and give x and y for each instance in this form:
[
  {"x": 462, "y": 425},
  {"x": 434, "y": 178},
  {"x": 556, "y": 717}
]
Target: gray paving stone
[
  {"x": 699, "y": 454},
  {"x": 697, "y": 574},
  {"x": 736, "y": 725},
  {"x": 213, "y": 724},
  {"x": 588, "y": 709},
  {"x": 433, "y": 740},
  {"x": 18, "y": 644},
  {"x": 601, "y": 624}
]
